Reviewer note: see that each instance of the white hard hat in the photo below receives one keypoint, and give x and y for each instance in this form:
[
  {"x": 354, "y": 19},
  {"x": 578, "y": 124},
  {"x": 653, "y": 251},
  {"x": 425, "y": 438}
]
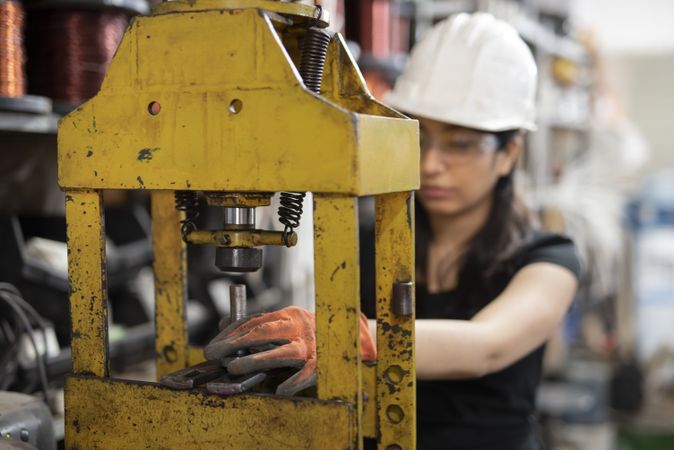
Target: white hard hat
[{"x": 470, "y": 70}]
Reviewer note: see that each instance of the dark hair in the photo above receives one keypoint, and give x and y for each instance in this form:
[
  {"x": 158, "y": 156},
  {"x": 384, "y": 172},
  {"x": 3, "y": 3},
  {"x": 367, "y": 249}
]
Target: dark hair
[{"x": 491, "y": 251}]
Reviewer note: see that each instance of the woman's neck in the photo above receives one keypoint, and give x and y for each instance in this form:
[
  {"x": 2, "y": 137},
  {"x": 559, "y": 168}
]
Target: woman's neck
[{"x": 456, "y": 231}]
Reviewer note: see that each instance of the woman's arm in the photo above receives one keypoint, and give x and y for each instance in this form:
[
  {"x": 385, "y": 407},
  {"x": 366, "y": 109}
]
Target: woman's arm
[{"x": 515, "y": 323}]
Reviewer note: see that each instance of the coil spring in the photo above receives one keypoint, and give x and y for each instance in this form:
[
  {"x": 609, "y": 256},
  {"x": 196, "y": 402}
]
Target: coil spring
[
  {"x": 290, "y": 211},
  {"x": 314, "y": 50},
  {"x": 187, "y": 202}
]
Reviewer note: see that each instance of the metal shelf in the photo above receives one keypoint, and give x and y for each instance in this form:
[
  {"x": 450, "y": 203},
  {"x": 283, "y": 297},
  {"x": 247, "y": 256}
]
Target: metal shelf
[
  {"x": 392, "y": 66},
  {"x": 581, "y": 127},
  {"x": 548, "y": 41},
  {"x": 14, "y": 122}
]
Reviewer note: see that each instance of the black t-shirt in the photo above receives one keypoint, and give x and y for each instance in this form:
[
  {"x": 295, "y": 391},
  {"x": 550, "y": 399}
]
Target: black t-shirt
[{"x": 494, "y": 412}]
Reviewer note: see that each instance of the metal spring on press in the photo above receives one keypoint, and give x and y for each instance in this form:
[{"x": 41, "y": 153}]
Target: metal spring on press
[
  {"x": 12, "y": 79},
  {"x": 290, "y": 212},
  {"x": 187, "y": 202},
  {"x": 314, "y": 50}
]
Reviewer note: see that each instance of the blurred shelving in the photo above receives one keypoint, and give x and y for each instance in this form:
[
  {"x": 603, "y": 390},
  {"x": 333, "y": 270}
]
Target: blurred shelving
[{"x": 15, "y": 122}]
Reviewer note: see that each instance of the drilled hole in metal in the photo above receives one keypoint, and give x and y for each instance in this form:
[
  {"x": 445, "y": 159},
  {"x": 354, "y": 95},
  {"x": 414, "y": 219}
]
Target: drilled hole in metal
[
  {"x": 235, "y": 106},
  {"x": 395, "y": 414},
  {"x": 394, "y": 374},
  {"x": 154, "y": 108}
]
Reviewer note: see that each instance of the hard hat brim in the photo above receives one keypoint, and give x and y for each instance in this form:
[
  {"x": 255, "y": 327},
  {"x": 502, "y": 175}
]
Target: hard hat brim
[{"x": 492, "y": 126}]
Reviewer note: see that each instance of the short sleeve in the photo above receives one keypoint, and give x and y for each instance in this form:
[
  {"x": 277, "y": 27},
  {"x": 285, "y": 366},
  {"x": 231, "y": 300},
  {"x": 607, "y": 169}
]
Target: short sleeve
[{"x": 554, "y": 249}]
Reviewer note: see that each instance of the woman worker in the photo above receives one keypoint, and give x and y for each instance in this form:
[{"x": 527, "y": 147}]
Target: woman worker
[{"x": 491, "y": 289}]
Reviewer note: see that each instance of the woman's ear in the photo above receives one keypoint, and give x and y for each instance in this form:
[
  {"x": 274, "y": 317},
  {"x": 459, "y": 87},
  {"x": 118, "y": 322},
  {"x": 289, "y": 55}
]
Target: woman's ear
[{"x": 508, "y": 157}]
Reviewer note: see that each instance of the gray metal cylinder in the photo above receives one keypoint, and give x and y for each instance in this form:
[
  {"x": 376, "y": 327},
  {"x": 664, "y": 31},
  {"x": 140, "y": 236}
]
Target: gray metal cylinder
[
  {"x": 403, "y": 298},
  {"x": 238, "y": 259},
  {"x": 240, "y": 216},
  {"x": 237, "y": 302}
]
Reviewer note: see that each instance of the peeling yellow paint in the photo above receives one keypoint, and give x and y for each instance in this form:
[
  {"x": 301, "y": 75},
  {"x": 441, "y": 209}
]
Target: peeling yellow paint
[{"x": 163, "y": 121}]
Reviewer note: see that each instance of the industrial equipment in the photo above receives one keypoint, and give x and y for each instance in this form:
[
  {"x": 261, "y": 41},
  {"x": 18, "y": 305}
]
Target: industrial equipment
[
  {"x": 212, "y": 374},
  {"x": 25, "y": 422},
  {"x": 232, "y": 101}
]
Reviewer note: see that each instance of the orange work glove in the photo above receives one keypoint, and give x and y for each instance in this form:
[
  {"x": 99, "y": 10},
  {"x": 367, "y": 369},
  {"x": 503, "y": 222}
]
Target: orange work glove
[{"x": 293, "y": 330}]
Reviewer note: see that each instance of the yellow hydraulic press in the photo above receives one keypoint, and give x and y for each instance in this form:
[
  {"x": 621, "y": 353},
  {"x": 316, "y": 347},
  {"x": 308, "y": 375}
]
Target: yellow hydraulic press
[{"x": 223, "y": 99}]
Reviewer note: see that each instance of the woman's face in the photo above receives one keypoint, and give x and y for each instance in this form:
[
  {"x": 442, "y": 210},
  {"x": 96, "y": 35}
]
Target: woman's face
[{"x": 460, "y": 167}]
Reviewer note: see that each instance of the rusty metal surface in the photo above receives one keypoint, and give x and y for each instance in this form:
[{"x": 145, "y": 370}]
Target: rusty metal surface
[
  {"x": 246, "y": 124},
  {"x": 238, "y": 200},
  {"x": 240, "y": 238},
  {"x": 369, "y": 400},
  {"x": 396, "y": 375},
  {"x": 170, "y": 277},
  {"x": 198, "y": 135},
  {"x": 86, "y": 281},
  {"x": 298, "y": 9},
  {"x": 116, "y": 414},
  {"x": 337, "y": 278}
]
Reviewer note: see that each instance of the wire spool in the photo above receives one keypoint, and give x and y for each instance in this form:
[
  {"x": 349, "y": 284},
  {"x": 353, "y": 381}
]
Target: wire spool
[
  {"x": 70, "y": 45},
  {"x": 12, "y": 56},
  {"x": 12, "y": 80}
]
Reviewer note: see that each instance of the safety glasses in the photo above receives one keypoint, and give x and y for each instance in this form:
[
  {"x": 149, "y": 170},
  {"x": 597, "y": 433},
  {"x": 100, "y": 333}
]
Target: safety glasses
[{"x": 456, "y": 147}]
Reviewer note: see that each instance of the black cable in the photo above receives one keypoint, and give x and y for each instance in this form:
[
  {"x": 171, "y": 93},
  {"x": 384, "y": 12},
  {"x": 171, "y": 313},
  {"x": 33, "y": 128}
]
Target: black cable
[
  {"x": 8, "y": 366},
  {"x": 16, "y": 295},
  {"x": 24, "y": 324},
  {"x": 8, "y": 346},
  {"x": 23, "y": 318},
  {"x": 5, "y": 334},
  {"x": 9, "y": 297},
  {"x": 28, "y": 307}
]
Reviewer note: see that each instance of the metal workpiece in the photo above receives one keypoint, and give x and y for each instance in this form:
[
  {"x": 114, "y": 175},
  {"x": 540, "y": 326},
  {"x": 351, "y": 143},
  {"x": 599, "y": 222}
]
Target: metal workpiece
[
  {"x": 191, "y": 377},
  {"x": 237, "y": 302},
  {"x": 240, "y": 217},
  {"x": 232, "y": 385},
  {"x": 213, "y": 376},
  {"x": 238, "y": 259}
]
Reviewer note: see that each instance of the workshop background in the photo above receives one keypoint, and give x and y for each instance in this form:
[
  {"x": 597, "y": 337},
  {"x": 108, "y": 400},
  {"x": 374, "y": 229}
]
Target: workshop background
[{"x": 600, "y": 168}]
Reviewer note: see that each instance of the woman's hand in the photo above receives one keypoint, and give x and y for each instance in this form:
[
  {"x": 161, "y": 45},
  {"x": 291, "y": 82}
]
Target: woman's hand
[{"x": 292, "y": 332}]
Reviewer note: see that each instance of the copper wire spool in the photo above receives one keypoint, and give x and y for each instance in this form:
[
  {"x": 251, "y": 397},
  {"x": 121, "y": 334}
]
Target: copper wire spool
[
  {"x": 70, "y": 47},
  {"x": 12, "y": 79}
]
